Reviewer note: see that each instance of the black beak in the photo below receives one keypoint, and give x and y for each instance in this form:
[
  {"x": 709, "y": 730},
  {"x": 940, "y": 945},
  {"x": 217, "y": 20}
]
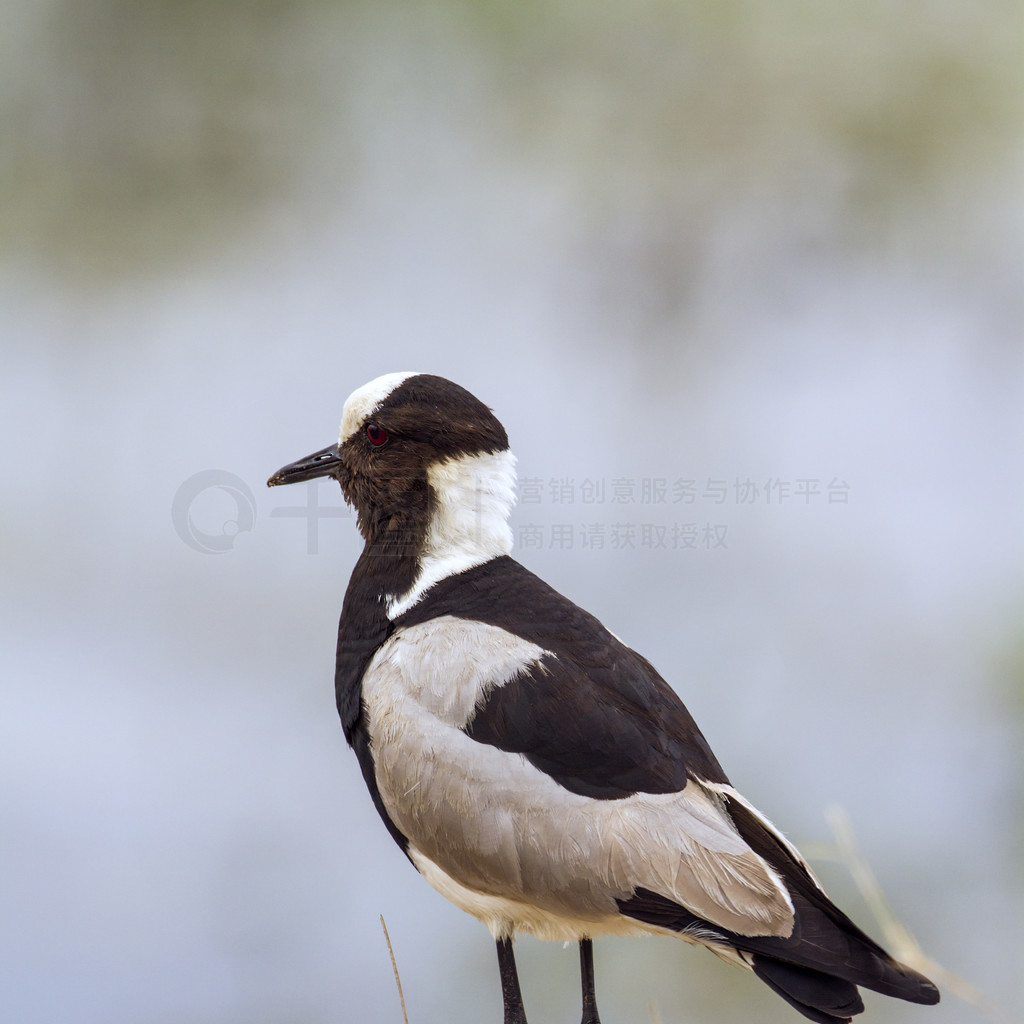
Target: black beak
[{"x": 322, "y": 463}]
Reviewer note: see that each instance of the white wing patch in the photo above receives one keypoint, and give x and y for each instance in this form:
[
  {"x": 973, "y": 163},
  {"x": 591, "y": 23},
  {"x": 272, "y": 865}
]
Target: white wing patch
[
  {"x": 440, "y": 669},
  {"x": 506, "y": 842}
]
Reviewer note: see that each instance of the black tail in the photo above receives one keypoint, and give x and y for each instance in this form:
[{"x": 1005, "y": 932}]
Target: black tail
[
  {"x": 818, "y": 966},
  {"x": 823, "y": 937},
  {"x": 820, "y": 997},
  {"x": 816, "y": 969}
]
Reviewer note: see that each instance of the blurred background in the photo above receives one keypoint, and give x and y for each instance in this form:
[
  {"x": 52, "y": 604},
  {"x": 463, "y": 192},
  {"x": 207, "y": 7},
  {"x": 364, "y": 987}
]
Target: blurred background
[{"x": 744, "y": 284}]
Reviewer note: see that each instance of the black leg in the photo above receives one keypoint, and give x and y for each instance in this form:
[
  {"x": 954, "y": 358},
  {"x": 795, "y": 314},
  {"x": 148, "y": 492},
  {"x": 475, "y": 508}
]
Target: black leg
[
  {"x": 587, "y": 973},
  {"x": 514, "y": 1012}
]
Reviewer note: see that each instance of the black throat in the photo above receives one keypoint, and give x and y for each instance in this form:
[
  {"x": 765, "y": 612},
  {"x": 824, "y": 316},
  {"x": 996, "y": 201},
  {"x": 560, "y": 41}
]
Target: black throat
[{"x": 382, "y": 571}]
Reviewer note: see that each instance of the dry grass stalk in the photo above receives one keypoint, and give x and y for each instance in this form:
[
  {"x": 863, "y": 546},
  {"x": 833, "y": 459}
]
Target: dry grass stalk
[{"x": 394, "y": 967}]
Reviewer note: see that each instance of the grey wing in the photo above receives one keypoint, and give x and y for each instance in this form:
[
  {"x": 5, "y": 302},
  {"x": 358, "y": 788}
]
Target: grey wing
[{"x": 500, "y": 825}]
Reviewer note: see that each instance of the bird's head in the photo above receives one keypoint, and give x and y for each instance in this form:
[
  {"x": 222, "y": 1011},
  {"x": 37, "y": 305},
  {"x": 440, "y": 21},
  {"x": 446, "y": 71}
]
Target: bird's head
[{"x": 423, "y": 462}]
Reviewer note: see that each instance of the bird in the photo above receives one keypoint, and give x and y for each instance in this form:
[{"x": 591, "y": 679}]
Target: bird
[{"x": 536, "y": 771}]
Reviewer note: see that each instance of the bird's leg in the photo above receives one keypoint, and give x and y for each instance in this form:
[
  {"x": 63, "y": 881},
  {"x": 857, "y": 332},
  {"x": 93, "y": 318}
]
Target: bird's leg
[
  {"x": 514, "y": 1011},
  {"x": 587, "y": 974}
]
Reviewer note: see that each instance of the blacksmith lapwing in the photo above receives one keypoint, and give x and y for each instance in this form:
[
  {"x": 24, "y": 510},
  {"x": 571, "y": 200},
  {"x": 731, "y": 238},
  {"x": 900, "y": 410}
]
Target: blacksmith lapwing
[{"x": 538, "y": 772}]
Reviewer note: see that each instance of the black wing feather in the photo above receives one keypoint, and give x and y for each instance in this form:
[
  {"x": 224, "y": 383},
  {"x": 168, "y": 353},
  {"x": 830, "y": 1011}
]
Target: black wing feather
[{"x": 594, "y": 715}]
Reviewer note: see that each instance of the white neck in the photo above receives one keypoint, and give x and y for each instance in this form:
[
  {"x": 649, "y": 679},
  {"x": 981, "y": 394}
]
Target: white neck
[{"x": 473, "y": 496}]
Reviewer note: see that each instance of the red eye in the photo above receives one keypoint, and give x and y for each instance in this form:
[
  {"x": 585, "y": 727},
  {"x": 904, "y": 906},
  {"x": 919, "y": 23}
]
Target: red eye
[{"x": 376, "y": 435}]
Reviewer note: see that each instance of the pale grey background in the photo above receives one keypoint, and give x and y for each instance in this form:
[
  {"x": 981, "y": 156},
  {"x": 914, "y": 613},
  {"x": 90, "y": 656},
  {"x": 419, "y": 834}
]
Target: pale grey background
[{"x": 664, "y": 241}]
